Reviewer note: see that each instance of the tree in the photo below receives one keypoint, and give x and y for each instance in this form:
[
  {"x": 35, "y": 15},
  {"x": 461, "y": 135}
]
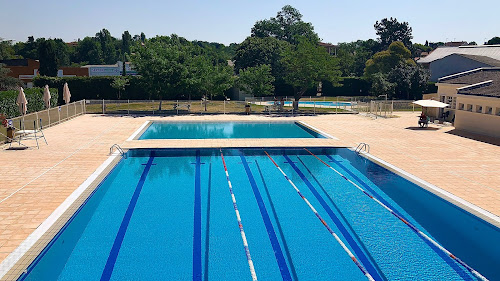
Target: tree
[
  {"x": 493, "y": 41},
  {"x": 126, "y": 42},
  {"x": 107, "y": 46},
  {"x": 48, "y": 58},
  {"x": 6, "y": 49},
  {"x": 120, "y": 83},
  {"x": 353, "y": 56},
  {"x": 381, "y": 85},
  {"x": 7, "y": 82},
  {"x": 390, "y": 30},
  {"x": 89, "y": 50},
  {"x": 306, "y": 65},
  {"x": 257, "y": 80},
  {"x": 385, "y": 61},
  {"x": 143, "y": 37},
  {"x": 287, "y": 26},
  {"x": 255, "y": 51}
]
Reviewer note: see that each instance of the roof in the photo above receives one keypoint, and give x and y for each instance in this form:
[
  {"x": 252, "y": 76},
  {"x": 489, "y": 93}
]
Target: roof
[
  {"x": 484, "y": 81},
  {"x": 491, "y": 51},
  {"x": 483, "y": 59},
  {"x": 15, "y": 62}
]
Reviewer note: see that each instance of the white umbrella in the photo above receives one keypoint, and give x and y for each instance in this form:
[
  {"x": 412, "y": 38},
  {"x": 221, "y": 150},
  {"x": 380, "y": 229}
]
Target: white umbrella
[
  {"x": 66, "y": 93},
  {"x": 46, "y": 96},
  {"x": 431, "y": 103},
  {"x": 21, "y": 101}
]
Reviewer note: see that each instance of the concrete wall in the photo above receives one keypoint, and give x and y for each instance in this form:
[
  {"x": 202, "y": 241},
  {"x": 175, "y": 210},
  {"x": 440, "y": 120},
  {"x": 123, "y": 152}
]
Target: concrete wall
[
  {"x": 473, "y": 115},
  {"x": 452, "y": 64}
]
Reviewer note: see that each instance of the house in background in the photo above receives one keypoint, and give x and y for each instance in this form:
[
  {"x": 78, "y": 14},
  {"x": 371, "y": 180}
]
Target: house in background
[
  {"x": 445, "y": 61},
  {"x": 474, "y": 99}
]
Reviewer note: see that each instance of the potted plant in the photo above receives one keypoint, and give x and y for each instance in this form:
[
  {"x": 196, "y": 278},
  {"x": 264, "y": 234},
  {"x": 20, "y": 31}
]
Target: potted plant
[{"x": 7, "y": 124}]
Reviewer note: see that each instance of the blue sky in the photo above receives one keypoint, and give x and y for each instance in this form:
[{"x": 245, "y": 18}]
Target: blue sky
[{"x": 231, "y": 21}]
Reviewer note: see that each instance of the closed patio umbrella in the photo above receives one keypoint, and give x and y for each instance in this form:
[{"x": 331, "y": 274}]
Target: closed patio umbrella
[
  {"x": 22, "y": 103},
  {"x": 46, "y": 96},
  {"x": 66, "y": 93}
]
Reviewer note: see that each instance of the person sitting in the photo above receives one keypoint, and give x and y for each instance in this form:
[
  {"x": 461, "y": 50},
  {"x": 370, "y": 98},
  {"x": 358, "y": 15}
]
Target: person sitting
[{"x": 423, "y": 121}]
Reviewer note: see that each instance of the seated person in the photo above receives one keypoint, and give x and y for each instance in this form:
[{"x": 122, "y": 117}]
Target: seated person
[{"x": 423, "y": 121}]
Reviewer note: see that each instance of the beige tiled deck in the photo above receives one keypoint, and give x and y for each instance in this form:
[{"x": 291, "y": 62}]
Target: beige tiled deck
[{"x": 34, "y": 182}]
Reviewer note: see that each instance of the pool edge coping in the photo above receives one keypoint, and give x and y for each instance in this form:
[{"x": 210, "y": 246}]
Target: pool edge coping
[
  {"x": 21, "y": 258},
  {"x": 437, "y": 191},
  {"x": 138, "y": 133}
]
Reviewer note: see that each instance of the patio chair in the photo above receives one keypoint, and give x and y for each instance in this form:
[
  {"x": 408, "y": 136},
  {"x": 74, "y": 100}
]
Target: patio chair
[
  {"x": 23, "y": 134},
  {"x": 423, "y": 122}
]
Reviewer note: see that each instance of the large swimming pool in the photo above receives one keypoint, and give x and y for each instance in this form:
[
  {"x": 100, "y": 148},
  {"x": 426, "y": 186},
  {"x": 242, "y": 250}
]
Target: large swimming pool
[
  {"x": 177, "y": 215},
  {"x": 230, "y": 130}
]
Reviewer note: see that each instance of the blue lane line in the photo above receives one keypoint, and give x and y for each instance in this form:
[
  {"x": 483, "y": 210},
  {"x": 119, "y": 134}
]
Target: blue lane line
[
  {"x": 113, "y": 254},
  {"x": 458, "y": 269},
  {"x": 361, "y": 255},
  {"x": 207, "y": 231},
  {"x": 285, "y": 273},
  {"x": 197, "y": 275}
]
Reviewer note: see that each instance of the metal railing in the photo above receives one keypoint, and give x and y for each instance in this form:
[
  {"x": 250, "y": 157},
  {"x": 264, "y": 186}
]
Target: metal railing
[{"x": 45, "y": 118}]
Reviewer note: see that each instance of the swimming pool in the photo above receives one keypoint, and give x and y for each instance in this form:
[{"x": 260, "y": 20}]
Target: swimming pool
[
  {"x": 227, "y": 129},
  {"x": 327, "y": 104},
  {"x": 169, "y": 215}
]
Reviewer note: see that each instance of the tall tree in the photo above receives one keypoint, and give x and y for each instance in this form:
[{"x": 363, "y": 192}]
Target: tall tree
[
  {"x": 390, "y": 30},
  {"x": 126, "y": 42},
  {"x": 6, "y": 49},
  {"x": 48, "y": 58},
  {"x": 306, "y": 65},
  {"x": 387, "y": 60},
  {"x": 353, "y": 56},
  {"x": 143, "y": 37},
  {"x": 257, "y": 80},
  {"x": 493, "y": 41},
  {"x": 89, "y": 50},
  {"x": 107, "y": 46},
  {"x": 287, "y": 26}
]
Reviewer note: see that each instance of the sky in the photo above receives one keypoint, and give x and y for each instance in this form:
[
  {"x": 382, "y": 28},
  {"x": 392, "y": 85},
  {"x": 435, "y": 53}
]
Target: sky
[{"x": 228, "y": 22}]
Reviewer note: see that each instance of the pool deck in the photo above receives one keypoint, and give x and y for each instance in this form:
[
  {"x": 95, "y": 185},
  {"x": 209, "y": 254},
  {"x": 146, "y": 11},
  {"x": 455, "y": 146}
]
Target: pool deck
[{"x": 35, "y": 182}]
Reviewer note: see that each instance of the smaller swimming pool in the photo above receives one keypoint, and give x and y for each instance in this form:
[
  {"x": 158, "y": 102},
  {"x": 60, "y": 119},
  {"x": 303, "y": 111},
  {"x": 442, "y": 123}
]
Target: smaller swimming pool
[
  {"x": 327, "y": 104},
  {"x": 228, "y": 130}
]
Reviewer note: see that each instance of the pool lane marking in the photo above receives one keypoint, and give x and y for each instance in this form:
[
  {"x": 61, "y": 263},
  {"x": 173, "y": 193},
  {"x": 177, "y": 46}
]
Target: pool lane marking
[
  {"x": 409, "y": 224},
  {"x": 113, "y": 255},
  {"x": 207, "y": 233},
  {"x": 240, "y": 224},
  {"x": 278, "y": 253},
  {"x": 347, "y": 236},
  {"x": 197, "y": 268},
  {"x": 345, "y": 220},
  {"x": 280, "y": 230},
  {"x": 353, "y": 258}
]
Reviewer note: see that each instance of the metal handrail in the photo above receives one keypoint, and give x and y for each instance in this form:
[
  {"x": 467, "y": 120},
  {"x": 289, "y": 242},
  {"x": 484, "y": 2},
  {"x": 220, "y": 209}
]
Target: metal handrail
[
  {"x": 120, "y": 150},
  {"x": 362, "y": 146}
]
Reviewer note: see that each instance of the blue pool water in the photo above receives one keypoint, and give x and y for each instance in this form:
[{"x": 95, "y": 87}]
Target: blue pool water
[
  {"x": 319, "y": 103},
  {"x": 168, "y": 215},
  {"x": 231, "y": 130}
]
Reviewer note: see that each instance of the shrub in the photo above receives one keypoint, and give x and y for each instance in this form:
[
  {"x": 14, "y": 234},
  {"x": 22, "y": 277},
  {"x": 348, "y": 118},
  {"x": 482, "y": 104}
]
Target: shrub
[
  {"x": 34, "y": 96},
  {"x": 97, "y": 87}
]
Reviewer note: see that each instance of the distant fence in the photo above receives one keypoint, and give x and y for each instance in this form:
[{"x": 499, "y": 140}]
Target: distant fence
[
  {"x": 45, "y": 118},
  {"x": 387, "y": 108}
]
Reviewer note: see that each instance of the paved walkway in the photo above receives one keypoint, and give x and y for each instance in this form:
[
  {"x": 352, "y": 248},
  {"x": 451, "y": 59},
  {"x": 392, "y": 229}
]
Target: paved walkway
[{"x": 34, "y": 182}]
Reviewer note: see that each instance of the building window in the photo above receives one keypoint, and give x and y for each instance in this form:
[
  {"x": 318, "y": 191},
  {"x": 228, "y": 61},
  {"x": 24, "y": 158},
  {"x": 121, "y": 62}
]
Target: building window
[
  {"x": 461, "y": 106},
  {"x": 489, "y": 110},
  {"x": 479, "y": 108},
  {"x": 497, "y": 111},
  {"x": 469, "y": 107}
]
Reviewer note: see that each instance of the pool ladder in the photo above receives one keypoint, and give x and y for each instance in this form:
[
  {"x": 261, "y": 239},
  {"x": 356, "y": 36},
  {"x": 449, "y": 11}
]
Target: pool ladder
[
  {"x": 119, "y": 149},
  {"x": 362, "y": 147}
]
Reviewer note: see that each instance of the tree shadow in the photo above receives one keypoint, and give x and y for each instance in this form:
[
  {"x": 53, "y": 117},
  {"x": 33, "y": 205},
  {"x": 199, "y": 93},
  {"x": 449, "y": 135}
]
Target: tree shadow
[{"x": 476, "y": 137}]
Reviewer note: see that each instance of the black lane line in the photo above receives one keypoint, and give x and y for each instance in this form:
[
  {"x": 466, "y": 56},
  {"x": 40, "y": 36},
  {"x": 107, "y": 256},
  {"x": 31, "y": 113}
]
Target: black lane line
[
  {"x": 458, "y": 269},
  {"x": 207, "y": 233},
  {"x": 280, "y": 230},
  {"x": 345, "y": 220},
  {"x": 361, "y": 255},
  {"x": 285, "y": 273},
  {"x": 197, "y": 269},
  {"x": 113, "y": 255}
]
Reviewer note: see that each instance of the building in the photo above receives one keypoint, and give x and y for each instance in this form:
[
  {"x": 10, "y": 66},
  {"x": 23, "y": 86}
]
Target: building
[
  {"x": 474, "y": 99},
  {"x": 445, "y": 61},
  {"x": 330, "y": 48},
  {"x": 110, "y": 70},
  {"x": 23, "y": 69}
]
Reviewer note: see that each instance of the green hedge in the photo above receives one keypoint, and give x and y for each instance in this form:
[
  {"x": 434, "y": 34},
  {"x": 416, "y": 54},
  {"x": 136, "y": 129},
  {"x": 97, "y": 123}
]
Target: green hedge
[
  {"x": 34, "y": 96},
  {"x": 97, "y": 87}
]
